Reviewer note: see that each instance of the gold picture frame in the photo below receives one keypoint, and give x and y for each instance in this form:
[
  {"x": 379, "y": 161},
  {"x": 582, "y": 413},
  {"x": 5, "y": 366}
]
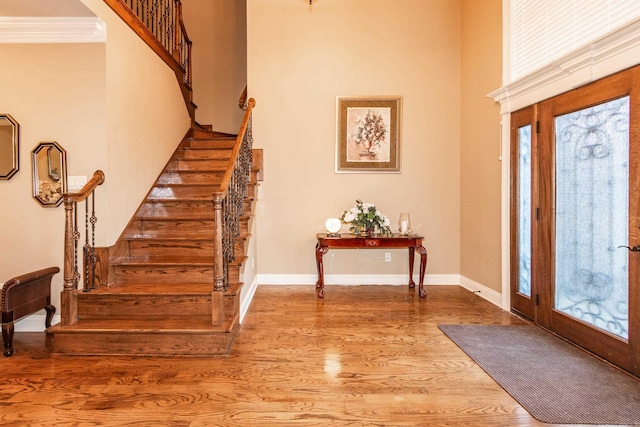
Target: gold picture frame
[{"x": 368, "y": 134}]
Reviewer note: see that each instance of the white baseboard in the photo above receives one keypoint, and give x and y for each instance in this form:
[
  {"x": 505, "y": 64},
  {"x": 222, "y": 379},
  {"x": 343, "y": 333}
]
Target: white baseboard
[
  {"x": 489, "y": 294},
  {"x": 34, "y": 323},
  {"x": 355, "y": 279},
  {"x": 246, "y": 296}
]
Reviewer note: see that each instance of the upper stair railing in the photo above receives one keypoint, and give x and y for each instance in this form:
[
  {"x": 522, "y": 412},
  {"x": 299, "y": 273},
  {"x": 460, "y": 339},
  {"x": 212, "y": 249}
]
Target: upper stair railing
[
  {"x": 72, "y": 234},
  {"x": 229, "y": 201},
  {"x": 159, "y": 23}
]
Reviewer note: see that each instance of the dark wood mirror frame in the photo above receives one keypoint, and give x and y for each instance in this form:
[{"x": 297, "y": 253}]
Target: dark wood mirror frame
[
  {"x": 49, "y": 166},
  {"x": 9, "y": 147}
]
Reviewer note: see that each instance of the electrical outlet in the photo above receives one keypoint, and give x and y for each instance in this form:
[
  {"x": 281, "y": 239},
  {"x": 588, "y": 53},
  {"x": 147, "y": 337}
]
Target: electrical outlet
[{"x": 387, "y": 256}]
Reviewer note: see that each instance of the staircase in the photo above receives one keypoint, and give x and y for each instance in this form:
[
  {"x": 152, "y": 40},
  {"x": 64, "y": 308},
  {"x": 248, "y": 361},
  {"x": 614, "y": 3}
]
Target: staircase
[{"x": 159, "y": 298}]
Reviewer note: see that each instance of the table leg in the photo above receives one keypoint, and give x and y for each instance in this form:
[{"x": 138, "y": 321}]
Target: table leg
[
  {"x": 412, "y": 284},
  {"x": 423, "y": 268},
  {"x": 320, "y": 251}
]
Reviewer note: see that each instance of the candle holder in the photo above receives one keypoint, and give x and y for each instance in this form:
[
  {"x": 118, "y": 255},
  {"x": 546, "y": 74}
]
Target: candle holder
[{"x": 404, "y": 224}]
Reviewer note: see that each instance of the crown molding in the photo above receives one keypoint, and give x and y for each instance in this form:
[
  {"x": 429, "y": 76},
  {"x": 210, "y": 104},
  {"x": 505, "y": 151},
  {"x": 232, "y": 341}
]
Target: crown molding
[{"x": 52, "y": 30}]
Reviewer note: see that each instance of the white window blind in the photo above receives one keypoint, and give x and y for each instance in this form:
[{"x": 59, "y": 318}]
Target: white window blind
[{"x": 541, "y": 31}]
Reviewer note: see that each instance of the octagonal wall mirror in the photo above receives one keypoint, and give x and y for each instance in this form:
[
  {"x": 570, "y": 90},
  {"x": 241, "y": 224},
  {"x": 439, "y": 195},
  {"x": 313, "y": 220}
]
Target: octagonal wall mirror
[
  {"x": 49, "y": 173},
  {"x": 9, "y": 146}
]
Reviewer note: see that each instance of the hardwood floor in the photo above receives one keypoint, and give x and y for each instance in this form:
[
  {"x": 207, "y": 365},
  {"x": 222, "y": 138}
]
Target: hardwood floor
[{"x": 365, "y": 355}]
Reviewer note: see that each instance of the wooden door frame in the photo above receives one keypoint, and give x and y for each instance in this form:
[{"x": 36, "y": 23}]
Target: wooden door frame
[{"x": 621, "y": 352}]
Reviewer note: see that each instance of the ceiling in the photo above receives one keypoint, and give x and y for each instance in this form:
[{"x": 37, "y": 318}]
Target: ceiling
[{"x": 44, "y": 8}]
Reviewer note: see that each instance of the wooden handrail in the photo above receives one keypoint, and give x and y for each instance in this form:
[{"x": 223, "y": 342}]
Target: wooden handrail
[
  {"x": 96, "y": 180},
  {"x": 224, "y": 185},
  {"x": 228, "y": 203},
  {"x": 69, "y": 299}
]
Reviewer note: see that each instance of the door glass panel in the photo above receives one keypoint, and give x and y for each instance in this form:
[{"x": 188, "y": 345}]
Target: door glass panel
[
  {"x": 524, "y": 210},
  {"x": 592, "y": 175}
]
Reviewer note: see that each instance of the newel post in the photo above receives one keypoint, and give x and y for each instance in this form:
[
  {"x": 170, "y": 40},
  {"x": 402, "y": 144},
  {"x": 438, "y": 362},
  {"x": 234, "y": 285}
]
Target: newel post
[
  {"x": 218, "y": 259},
  {"x": 69, "y": 297},
  {"x": 217, "y": 309}
]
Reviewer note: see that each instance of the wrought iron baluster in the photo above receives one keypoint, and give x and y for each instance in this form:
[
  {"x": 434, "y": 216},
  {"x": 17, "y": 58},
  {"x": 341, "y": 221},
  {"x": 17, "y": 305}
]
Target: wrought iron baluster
[
  {"x": 93, "y": 219},
  {"x": 76, "y": 238},
  {"x": 86, "y": 248}
]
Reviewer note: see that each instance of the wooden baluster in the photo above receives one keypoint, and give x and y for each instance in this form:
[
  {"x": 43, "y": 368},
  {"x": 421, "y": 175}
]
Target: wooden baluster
[{"x": 68, "y": 302}]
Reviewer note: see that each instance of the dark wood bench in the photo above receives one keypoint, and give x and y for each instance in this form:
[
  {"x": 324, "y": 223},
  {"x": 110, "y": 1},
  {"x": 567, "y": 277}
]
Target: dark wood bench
[{"x": 22, "y": 296}]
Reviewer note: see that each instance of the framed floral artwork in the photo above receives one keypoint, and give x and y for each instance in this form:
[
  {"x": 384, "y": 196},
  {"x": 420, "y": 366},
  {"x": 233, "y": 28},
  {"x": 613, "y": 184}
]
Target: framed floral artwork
[{"x": 368, "y": 134}]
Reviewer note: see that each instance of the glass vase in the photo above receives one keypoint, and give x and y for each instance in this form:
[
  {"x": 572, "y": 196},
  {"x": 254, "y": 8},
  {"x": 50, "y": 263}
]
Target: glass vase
[{"x": 404, "y": 224}]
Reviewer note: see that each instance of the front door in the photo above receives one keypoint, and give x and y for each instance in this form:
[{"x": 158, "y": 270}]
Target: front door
[{"x": 585, "y": 217}]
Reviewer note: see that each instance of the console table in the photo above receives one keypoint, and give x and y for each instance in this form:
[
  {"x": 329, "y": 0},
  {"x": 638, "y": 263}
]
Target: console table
[{"x": 382, "y": 241}]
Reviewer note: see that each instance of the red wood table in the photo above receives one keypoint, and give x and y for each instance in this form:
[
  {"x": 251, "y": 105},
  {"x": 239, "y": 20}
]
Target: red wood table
[{"x": 382, "y": 241}]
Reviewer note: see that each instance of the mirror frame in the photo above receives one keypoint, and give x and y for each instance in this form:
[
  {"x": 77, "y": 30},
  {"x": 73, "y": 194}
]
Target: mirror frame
[
  {"x": 47, "y": 148},
  {"x": 15, "y": 147}
]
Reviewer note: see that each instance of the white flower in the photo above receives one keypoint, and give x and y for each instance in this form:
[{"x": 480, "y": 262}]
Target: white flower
[{"x": 364, "y": 216}]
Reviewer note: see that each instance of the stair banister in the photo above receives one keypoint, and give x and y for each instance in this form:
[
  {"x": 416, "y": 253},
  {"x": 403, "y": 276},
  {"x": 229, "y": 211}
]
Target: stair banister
[
  {"x": 69, "y": 303},
  {"x": 228, "y": 201}
]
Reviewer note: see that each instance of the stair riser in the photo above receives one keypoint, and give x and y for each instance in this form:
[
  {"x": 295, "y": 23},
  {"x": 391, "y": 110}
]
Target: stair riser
[
  {"x": 208, "y": 143},
  {"x": 204, "y": 153},
  {"x": 142, "y": 247},
  {"x": 172, "y": 208},
  {"x": 234, "y": 273},
  {"x": 177, "y": 192},
  {"x": 197, "y": 165},
  {"x": 91, "y": 306},
  {"x": 252, "y": 190},
  {"x": 248, "y": 205},
  {"x": 171, "y": 228},
  {"x": 153, "y": 343},
  {"x": 187, "y": 178},
  {"x": 161, "y": 274},
  {"x": 240, "y": 247},
  {"x": 245, "y": 225}
]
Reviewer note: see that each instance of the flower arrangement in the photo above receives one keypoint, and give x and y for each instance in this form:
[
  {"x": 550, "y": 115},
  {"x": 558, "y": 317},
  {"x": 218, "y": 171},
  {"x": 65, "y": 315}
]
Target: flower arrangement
[{"x": 365, "y": 217}]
